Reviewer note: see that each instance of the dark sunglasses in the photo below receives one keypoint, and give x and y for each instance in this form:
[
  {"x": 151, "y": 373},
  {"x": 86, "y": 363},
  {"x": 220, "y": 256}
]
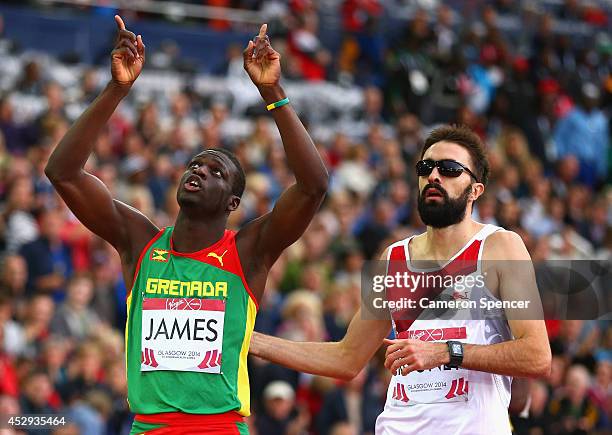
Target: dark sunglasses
[{"x": 446, "y": 167}]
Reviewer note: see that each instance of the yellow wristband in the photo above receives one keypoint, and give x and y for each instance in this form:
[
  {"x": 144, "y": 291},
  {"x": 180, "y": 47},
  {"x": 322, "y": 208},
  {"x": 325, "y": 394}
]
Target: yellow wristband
[{"x": 278, "y": 104}]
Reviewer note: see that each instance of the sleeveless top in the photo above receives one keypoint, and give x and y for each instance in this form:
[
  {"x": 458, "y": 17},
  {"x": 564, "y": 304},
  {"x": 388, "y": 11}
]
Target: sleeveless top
[
  {"x": 190, "y": 317},
  {"x": 446, "y": 400}
]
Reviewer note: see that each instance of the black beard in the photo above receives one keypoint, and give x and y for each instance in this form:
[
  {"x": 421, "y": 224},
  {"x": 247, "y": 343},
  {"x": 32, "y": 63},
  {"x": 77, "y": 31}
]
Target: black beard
[{"x": 444, "y": 214}]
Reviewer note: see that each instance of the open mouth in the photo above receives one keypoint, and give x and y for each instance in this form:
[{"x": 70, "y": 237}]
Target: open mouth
[{"x": 193, "y": 183}]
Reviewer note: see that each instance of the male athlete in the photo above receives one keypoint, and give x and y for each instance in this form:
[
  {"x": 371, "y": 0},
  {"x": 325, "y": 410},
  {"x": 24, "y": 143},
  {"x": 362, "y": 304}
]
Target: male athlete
[
  {"x": 450, "y": 376},
  {"x": 195, "y": 287}
]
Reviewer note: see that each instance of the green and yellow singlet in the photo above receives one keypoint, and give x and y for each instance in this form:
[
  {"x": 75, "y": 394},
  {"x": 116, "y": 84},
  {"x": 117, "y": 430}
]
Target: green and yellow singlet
[{"x": 190, "y": 320}]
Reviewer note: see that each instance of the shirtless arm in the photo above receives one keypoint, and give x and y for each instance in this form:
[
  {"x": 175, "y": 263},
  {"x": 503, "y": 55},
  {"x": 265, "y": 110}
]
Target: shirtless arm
[
  {"x": 342, "y": 359},
  {"x": 262, "y": 241},
  {"x": 89, "y": 199}
]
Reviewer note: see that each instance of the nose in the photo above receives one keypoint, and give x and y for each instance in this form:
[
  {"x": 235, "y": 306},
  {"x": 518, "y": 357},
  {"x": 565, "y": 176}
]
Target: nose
[
  {"x": 434, "y": 177},
  {"x": 201, "y": 171}
]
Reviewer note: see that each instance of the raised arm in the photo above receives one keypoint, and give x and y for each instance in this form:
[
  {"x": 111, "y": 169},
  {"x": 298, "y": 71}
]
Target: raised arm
[
  {"x": 343, "y": 359},
  {"x": 297, "y": 205},
  {"x": 86, "y": 195}
]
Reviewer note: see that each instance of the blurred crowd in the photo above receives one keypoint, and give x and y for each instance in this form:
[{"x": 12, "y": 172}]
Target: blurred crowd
[{"x": 540, "y": 98}]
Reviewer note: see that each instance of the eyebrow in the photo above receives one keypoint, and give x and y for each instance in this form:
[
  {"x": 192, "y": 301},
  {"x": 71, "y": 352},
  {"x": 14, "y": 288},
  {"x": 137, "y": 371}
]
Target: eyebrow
[{"x": 216, "y": 157}]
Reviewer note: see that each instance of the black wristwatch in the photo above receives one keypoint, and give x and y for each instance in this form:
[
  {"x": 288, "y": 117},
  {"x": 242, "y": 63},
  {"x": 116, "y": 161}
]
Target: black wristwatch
[{"x": 455, "y": 350}]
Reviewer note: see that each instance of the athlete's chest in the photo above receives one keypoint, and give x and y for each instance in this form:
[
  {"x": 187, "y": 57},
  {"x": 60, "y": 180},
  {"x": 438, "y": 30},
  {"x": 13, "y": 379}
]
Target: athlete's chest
[
  {"x": 170, "y": 276},
  {"x": 182, "y": 305}
]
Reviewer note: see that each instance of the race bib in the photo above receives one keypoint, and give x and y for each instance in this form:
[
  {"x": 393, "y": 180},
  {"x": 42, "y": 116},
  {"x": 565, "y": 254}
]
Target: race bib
[
  {"x": 182, "y": 334},
  {"x": 438, "y": 385}
]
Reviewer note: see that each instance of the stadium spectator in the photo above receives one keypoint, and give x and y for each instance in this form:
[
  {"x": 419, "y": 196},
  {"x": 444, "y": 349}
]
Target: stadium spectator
[
  {"x": 14, "y": 275},
  {"x": 280, "y": 415},
  {"x": 351, "y": 403},
  {"x": 48, "y": 258},
  {"x": 584, "y": 133},
  {"x": 572, "y": 411},
  {"x": 73, "y": 318},
  {"x": 36, "y": 323},
  {"x": 20, "y": 226},
  {"x": 37, "y": 395}
]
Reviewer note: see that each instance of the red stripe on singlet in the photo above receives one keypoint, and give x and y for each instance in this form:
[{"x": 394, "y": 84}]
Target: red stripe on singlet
[
  {"x": 142, "y": 253},
  {"x": 180, "y": 423}
]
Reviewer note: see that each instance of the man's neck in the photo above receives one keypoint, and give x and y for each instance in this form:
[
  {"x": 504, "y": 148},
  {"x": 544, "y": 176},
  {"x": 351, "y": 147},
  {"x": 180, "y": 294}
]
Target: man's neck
[
  {"x": 191, "y": 235},
  {"x": 441, "y": 244}
]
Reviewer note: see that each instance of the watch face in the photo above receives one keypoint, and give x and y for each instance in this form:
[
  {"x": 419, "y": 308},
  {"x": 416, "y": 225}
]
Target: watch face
[{"x": 457, "y": 349}]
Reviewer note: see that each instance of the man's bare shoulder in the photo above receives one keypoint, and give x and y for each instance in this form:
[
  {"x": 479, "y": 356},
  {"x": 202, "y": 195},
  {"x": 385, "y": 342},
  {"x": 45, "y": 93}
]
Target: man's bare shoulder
[
  {"x": 389, "y": 245},
  {"x": 505, "y": 245},
  {"x": 140, "y": 230}
]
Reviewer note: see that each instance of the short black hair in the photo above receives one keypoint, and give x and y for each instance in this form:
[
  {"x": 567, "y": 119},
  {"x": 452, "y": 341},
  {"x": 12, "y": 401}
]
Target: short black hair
[
  {"x": 465, "y": 137},
  {"x": 240, "y": 179}
]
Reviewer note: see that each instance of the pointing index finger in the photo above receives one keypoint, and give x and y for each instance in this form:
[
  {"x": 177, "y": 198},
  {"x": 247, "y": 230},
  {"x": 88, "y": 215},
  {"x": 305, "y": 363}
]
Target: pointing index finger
[
  {"x": 119, "y": 22},
  {"x": 262, "y": 30}
]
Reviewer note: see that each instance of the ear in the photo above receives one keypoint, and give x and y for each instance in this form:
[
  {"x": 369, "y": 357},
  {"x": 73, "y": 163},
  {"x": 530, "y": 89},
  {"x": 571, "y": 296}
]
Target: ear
[
  {"x": 233, "y": 203},
  {"x": 477, "y": 190}
]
